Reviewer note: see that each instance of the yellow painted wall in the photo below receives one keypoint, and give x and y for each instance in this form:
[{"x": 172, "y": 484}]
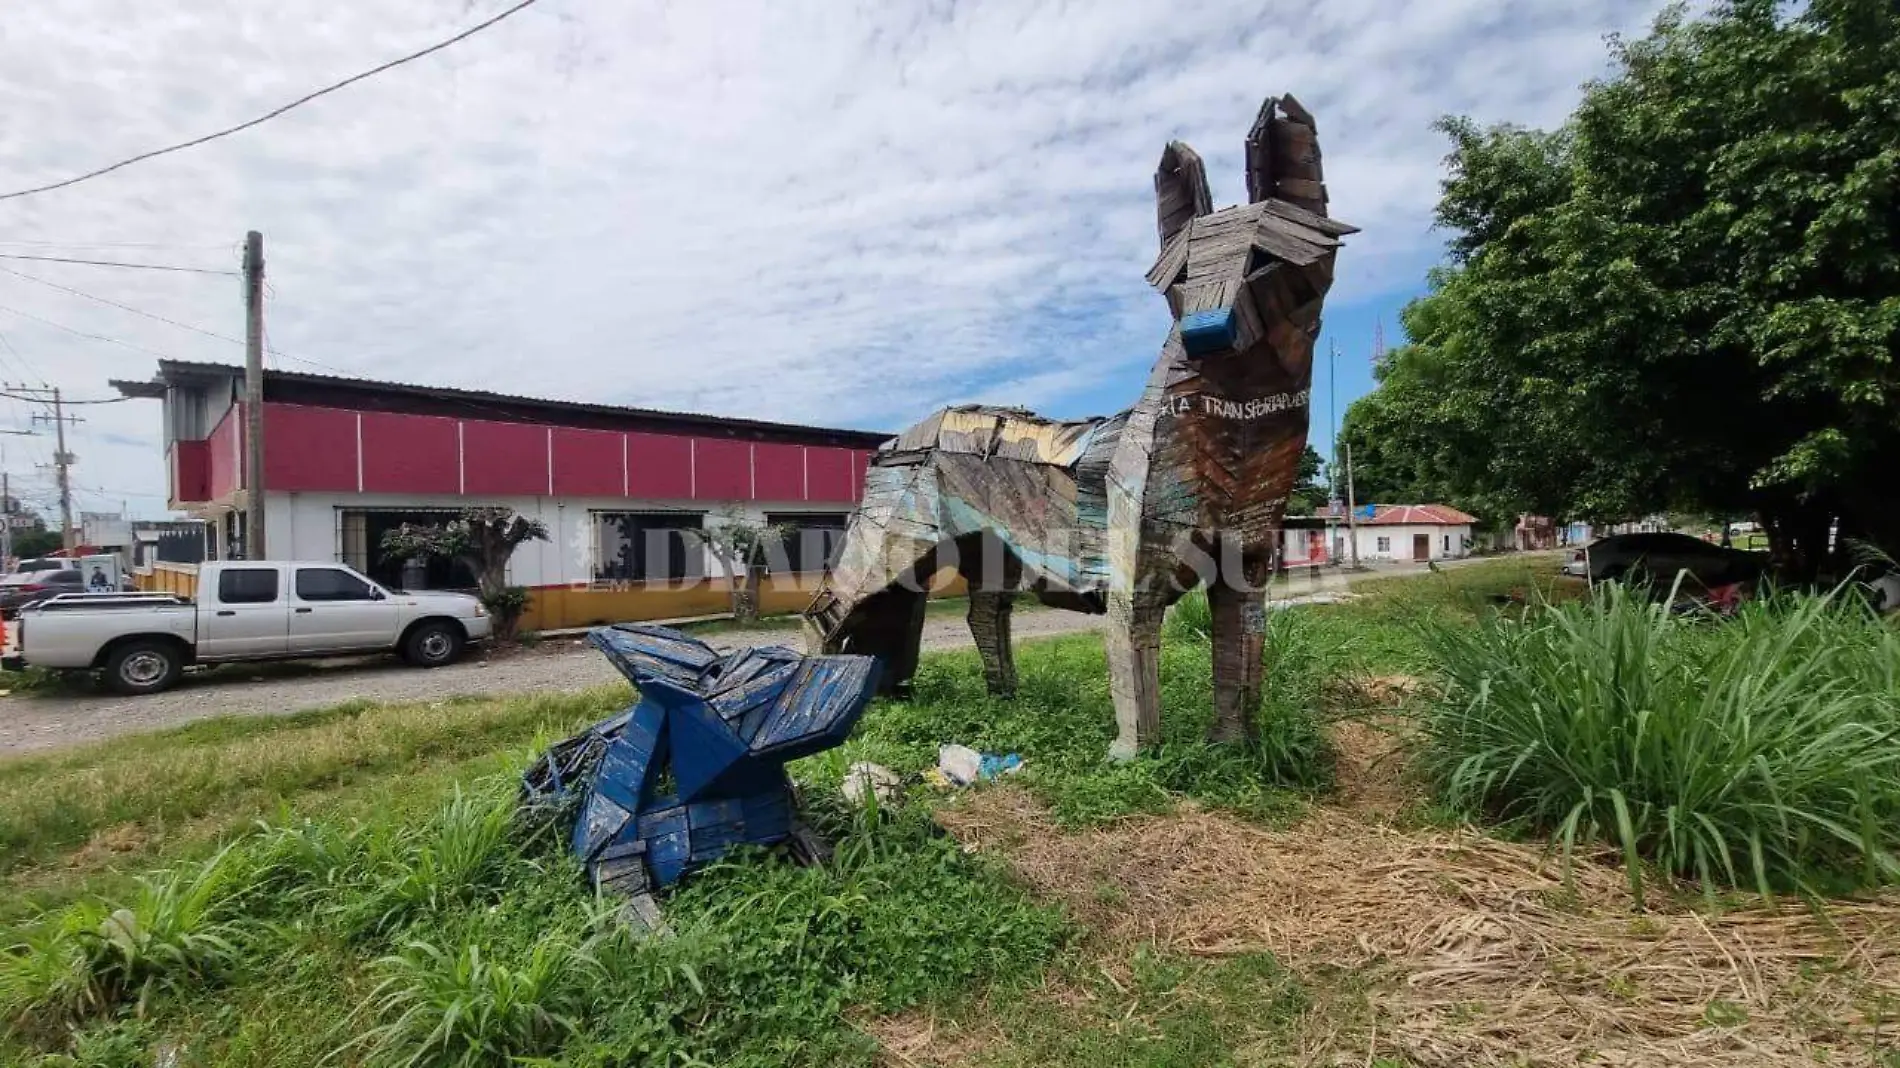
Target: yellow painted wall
[
  {"x": 561, "y": 607},
  {"x": 181, "y": 579}
]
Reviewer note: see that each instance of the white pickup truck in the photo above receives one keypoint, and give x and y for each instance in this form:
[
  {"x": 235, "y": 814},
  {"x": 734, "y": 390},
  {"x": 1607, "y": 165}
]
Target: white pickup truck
[{"x": 245, "y": 610}]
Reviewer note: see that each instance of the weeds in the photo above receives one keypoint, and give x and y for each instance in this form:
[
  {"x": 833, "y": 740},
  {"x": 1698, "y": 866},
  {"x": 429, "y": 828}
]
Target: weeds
[
  {"x": 179, "y": 929},
  {"x": 1759, "y": 751},
  {"x": 453, "y": 1007},
  {"x": 421, "y": 918},
  {"x": 1062, "y": 720},
  {"x": 450, "y": 862},
  {"x": 53, "y": 803}
]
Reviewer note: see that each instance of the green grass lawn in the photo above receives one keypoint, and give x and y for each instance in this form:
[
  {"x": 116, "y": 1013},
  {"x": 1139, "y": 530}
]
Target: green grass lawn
[{"x": 349, "y": 883}]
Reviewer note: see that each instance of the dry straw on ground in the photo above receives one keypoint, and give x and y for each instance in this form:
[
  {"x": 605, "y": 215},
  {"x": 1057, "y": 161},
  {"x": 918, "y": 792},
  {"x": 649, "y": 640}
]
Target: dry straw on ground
[{"x": 1494, "y": 956}]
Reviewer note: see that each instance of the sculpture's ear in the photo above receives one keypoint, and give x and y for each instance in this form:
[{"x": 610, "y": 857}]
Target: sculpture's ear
[
  {"x": 1283, "y": 156},
  {"x": 1180, "y": 190}
]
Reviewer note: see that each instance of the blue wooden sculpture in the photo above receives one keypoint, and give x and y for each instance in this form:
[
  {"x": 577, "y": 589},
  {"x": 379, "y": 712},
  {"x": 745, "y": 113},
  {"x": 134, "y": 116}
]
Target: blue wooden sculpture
[{"x": 696, "y": 766}]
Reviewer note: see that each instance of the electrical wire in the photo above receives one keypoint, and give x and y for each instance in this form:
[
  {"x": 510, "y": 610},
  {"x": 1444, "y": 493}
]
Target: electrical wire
[
  {"x": 121, "y": 307},
  {"x": 64, "y": 402},
  {"x": 84, "y": 334},
  {"x": 269, "y": 115},
  {"x": 220, "y": 246},
  {"x": 117, "y": 263},
  {"x": 26, "y": 369},
  {"x": 171, "y": 322}
]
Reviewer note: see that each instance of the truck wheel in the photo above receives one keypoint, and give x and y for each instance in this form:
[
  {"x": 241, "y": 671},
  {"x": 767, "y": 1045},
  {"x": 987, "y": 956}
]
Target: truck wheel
[
  {"x": 433, "y": 644},
  {"x": 143, "y": 667}
]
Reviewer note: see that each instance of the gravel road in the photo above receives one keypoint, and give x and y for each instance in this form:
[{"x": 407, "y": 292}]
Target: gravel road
[{"x": 41, "y": 721}]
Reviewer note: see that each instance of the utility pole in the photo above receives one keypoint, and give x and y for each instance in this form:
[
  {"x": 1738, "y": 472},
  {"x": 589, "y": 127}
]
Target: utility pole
[
  {"x": 7, "y": 511},
  {"x": 254, "y": 395},
  {"x": 1352, "y": 509},
  {"x": 1332, "y": 392},
  {"x": 62, "y": 460}
]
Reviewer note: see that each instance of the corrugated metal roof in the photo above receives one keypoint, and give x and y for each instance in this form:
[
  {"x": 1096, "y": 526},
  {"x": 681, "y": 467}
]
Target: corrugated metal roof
[{"x": 476, "y": 400}]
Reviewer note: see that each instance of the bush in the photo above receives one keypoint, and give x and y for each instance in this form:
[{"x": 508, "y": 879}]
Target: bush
[
  {"x": 1756, "y": 751},
  {"x": 506, "y": 607}
]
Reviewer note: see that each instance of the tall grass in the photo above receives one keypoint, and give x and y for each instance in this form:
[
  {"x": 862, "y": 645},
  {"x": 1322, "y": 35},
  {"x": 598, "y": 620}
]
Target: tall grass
[
  {"x": 48, "y": 804},
  {"x": 1760, "y": 751},
  {"x": 180, "y": 929},
  {"x": 469, "y": 938},
  {"x": 457, "y": 1007}
]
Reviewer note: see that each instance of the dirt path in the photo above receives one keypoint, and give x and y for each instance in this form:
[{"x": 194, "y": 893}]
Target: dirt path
[{"x": 60, "y": 718}]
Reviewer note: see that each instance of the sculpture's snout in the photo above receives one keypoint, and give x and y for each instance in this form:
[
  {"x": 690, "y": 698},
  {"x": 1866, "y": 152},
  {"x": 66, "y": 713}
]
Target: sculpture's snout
[{"x": 1204, "y": 333}]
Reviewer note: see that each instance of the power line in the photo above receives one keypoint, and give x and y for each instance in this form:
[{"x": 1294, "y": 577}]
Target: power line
[
  {"x": 294, "y": 359},
  {"x": 115, "y": 263},
  {"x": 169, "y": 322},
  {"x": 102, "y": 400},
  {"x": 267, "y": 116},
  {"x": 19, "y": 360},
  {"x": 115, "y": 244},
  {"x": 84, "y": 334},
  {"x": 121, "y": 307}
]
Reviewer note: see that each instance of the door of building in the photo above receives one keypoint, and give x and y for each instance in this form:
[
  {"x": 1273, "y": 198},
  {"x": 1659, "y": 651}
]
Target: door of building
[{"x": 1421, "y": 546}]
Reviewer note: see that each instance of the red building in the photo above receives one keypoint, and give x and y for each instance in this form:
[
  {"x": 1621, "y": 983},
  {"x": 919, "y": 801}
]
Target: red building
[{"x": 619, "y": 488}]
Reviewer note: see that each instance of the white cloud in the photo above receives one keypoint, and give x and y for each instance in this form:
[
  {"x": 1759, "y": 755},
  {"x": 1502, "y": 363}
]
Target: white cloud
[{"x": 841, "y": 213}]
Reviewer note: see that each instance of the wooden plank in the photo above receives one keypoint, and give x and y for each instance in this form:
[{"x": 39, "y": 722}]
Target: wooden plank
[
  {"x": 1227, "y": 219},
  {"x": 1296, "y": 214},
  {"x": 1259, "y": 153},
  {"x": 1168, "y": 265},
  {"x": 1288, "y": 248},
  {"x": 1180, "y": 189},
  {"x": 1297, "y": 231}
]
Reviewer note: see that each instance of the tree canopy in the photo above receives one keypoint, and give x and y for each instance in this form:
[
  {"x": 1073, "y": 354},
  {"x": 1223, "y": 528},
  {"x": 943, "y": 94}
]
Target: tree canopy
[
  {"x": 484, "y": 538},
  {"x": 1688, "y": 296}
]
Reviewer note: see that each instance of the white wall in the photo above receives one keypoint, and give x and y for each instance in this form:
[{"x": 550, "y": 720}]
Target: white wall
[
  {"x": 304, "y": 526},
  {"x": 1399, "y": 541}
]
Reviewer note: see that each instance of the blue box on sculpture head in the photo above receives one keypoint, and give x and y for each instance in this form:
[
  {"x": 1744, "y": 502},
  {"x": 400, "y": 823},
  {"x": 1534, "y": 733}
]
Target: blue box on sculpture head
[{"x": 697, "y": 765}]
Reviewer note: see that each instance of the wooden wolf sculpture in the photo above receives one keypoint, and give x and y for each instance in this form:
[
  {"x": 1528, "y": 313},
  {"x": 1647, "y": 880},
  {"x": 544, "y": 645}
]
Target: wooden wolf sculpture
[{"x": 1123, "y": 515}]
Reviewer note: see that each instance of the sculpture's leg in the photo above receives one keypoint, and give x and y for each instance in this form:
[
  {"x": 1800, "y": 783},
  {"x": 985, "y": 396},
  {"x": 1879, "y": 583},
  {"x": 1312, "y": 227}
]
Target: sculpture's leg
[
  {"x": 808, "y": 846},
  {"x": 1134, "y": 671},
  {"x": 989, "y": 627},
  {"x": 1239, "y": 608},
  {"x": 906, "y": 644}
]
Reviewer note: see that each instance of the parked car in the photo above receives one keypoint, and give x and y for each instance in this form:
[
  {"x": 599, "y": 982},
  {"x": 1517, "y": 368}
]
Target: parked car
[
  {"x": 1660, "y": 557},
  {"x": 245, "y": 610},
  {"x": 44, "y": 563},
  {"x": 24, "y": 587},
  {"x": 1577, "y": 564}
]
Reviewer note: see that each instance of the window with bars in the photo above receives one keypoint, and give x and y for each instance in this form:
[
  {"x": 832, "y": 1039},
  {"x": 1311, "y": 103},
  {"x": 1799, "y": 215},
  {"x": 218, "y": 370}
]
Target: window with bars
[
  {"x": 360, "y": 544},
  {"x": 811, "y": 542},
  {"x": 648, "y": 546}
]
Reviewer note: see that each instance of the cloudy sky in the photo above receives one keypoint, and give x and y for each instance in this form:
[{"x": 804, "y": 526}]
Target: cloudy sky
[{"x": 824, "y": 211}]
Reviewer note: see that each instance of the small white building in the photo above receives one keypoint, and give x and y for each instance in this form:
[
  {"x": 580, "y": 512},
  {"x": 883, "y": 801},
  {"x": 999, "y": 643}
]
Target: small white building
[{"x": 1416, "y": 532}]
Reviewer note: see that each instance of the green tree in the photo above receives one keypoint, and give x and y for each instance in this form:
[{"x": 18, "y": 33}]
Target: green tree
[
  {"x": 35, "y": 541},
  {"x": 1688, "y": 297},
  {"x": 1309, "y": 493},
  {"x": 485, "y": 539},
  {"x": 741, "y": 546}
]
